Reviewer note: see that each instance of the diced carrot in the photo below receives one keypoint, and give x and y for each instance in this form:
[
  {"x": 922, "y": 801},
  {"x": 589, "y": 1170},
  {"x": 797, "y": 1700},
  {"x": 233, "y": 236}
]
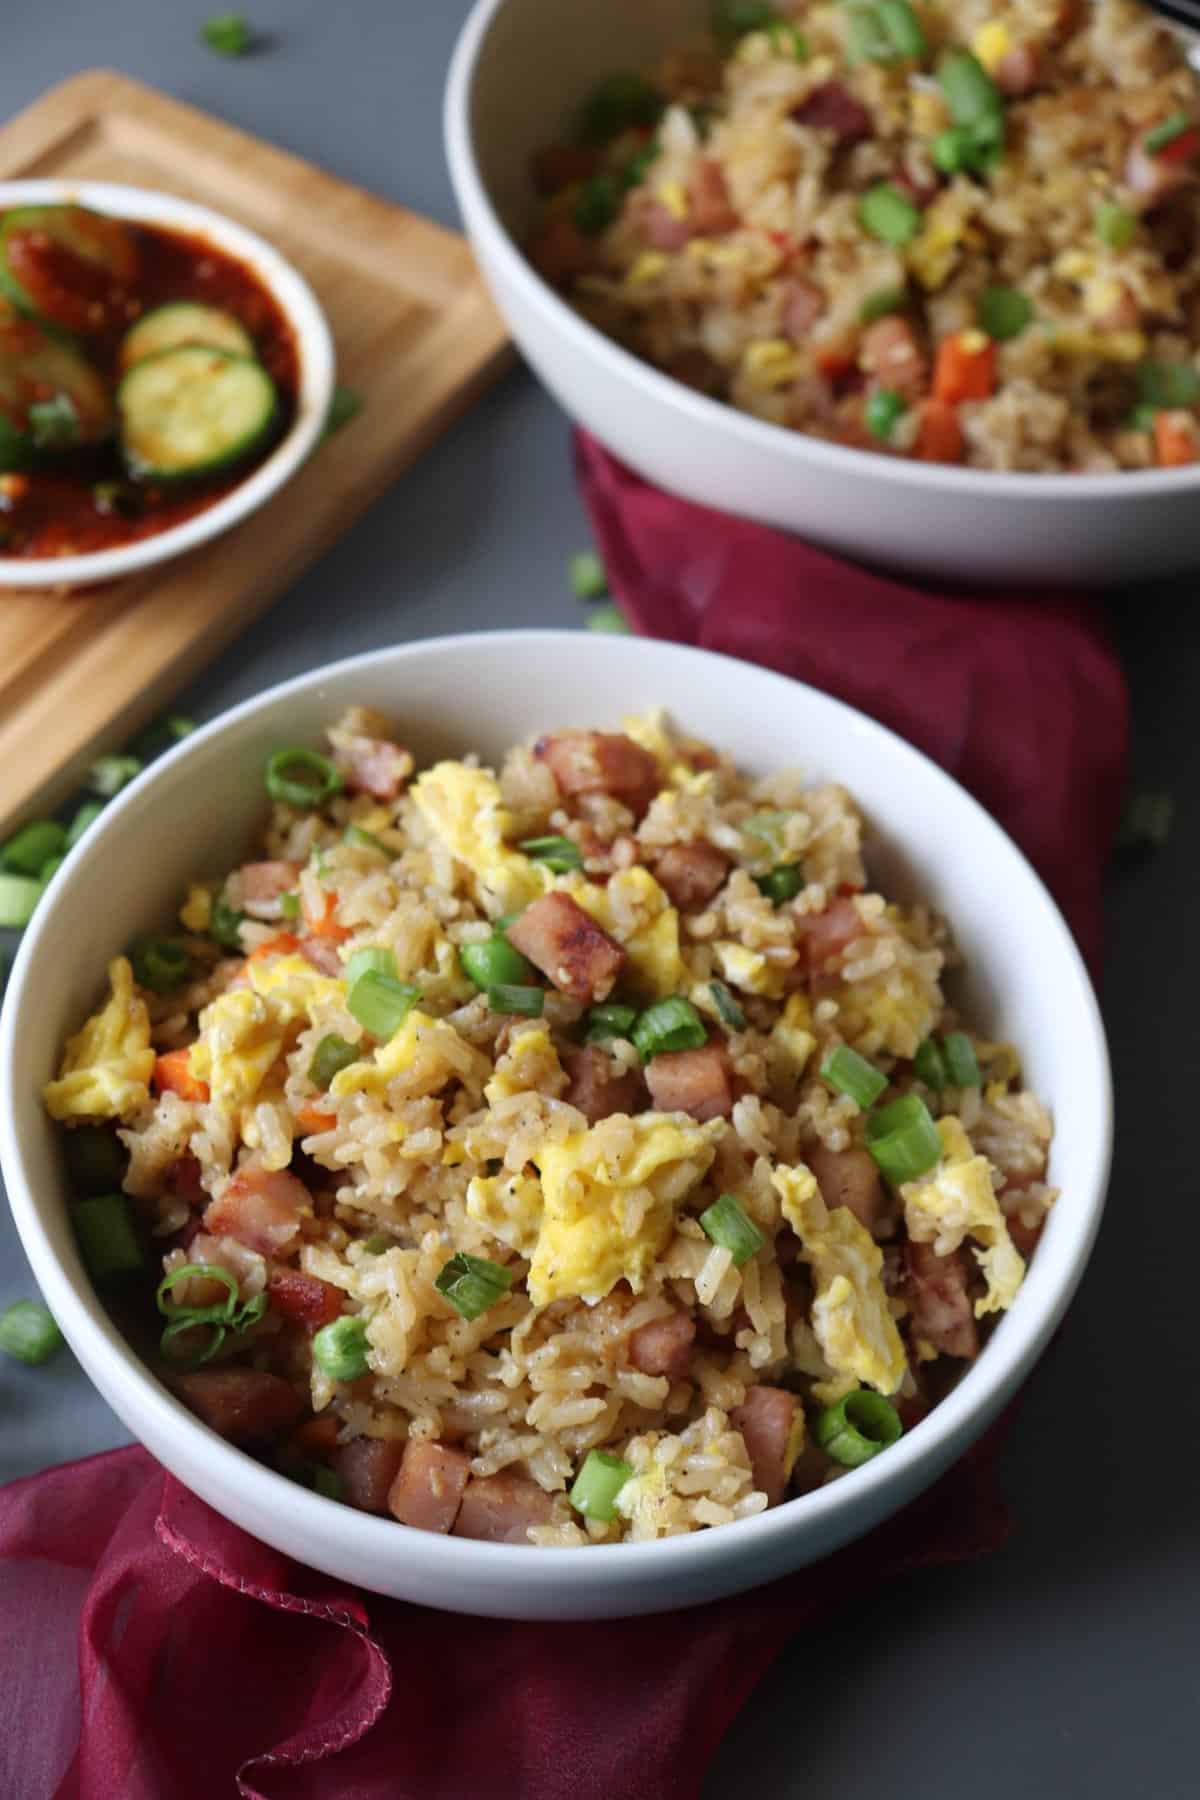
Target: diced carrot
[
  {"x": 965, "y": 368},
  {"x": 282, "y": 944},
  {"x": 939, "y": 434},
  {"x": 312, "y": 1118},
  {"x": 835, "y": 358},
  {"x": 1174, "y": 439},
  {"x": 324, "y": 925},
  {"x": 318, "y": 1437},
  {"x": 173, "y": 1075}
]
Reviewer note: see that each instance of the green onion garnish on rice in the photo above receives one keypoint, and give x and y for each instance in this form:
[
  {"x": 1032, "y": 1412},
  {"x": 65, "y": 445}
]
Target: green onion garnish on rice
[
  {"x": 340, "y": 1349},
  {"x": 360, "y": 839},
  {"x": 846, "y": 1072},
  {"x": 495, "y": 963},
  {"x": 160, "y": 964},
  {"x": 604, "y": 1022},
  {"x": 903, "y": 1139},
  {"x": 781, "y": 884},
  {"x": 860, "y": 1425},
  {"x": 726, "y": 1223},
  {"x": 728, "y": 1010},
  {"x": 289, "y": 906},
  {"x": 331, "y": 1056},
  {"x": 883, "y": 412},
  {"x": 962, "y": 1066},
  {"x": 599, "y": 1481},
  {"x": 472, "y": 1284},
  {"x": 516, "y": 999},
  {"x": 380, "y": 1003},
  {"x": 929, "y": 1066},
  {"x": 371, "y": 956},
  {"x": 559, "y": 854},
  {"x": 668, "y": 1025},
  {"x": 224, "y": 924},
  {"x": 302, "y": 778}
]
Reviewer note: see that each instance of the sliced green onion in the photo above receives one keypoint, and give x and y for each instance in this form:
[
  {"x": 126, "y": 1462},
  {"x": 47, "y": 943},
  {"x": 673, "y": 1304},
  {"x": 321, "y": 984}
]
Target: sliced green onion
[
  {"x": 858, "y": 1427},
  {"x": 160, "y": 964},
  {"x": 377, "y": 1243},
  {"x": 587, "y": 576},
  {"x": 604, "y": 1022},
  {"x": 54, "y": 423},
  {"x": 903, "y": 1139},
  {"x": 929, "y": 1066},
  {"x": 221, "y": 1311},
  {"x": 1168, "y": 384},
  {"x": 971, "y": 94},
  {"x": 340, "y": 1349},
  {"x": 361, "y": 839},
  {"x": 332, "y": 1054},
  {"x": 302, "y": 778},
  {"x": 598, "y": 204},
  {"x": 668, "y": 1025},
  {"x": 867, "y": 39},
  {"x": 346, "y": 404},
  {"x": 617, "y": 103},
  {"x": 726, "y": 1223},
  {"x": 471, "y": 1283},
  {"x": 1142, "y": 418},
  {"x": 846, "y": 1072},
  {"x": 180, "y": 727},
  {"x": 372, "y": 956},
  {"x": 501, "y": 925},
  {"x": 196, "y": 1349},
  {"x": 289, "y": 906},
  {"x": 28, "y": 852},
  {"x": 108, "y": 1240},
  {"x": 884, "y": 410},
  {"x": 782, "y": 884},
  {"x": 1172, "y": 127},
  {"x": 558, "y": 853},
  {"x": 962, "y": 1065},
  {"x": 380, "y": 1003},
  {"x": 903, "y": 27},
  {"x": 599, "y": 1481},
  {"x": 516, "y": 999},
  {"x": 227, "y": 34},
  {"x": 494, "y": 964},
  {"x": 609, "y": 619},
  {"x": 635, "y": 169},
  {"x": 29, "y": 1332},
  {"x": 885, "y": 213},
  {"x": 954, "y": 150},
  {"x": 788, "y": 40},
  {"x": 728, "y": 1010},
  {"x": 225, "y": 923},
  {"x": 96, "y": 1158},
  {"x": 50, "y": 869},
  {"x": 1003, "y": 312},
  {"x": 768, "y": 827},
  {"x": 109, "y": 774},
  {"x": 19, "y": 895},
  {"x": 882, "y": 302},
  {"x": 1116, "y": 226},
  {"x": 83, "y": 821},
  {"x": 1145, "y": 822}
]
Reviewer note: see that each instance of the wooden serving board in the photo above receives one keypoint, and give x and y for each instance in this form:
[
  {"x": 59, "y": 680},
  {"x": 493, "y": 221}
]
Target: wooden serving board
[{"x": 415, "y": 333}]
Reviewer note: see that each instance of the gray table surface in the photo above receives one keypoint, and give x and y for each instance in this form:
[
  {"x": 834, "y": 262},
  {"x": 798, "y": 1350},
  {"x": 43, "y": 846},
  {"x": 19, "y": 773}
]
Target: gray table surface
[{"x": 1067, "y": 1664}]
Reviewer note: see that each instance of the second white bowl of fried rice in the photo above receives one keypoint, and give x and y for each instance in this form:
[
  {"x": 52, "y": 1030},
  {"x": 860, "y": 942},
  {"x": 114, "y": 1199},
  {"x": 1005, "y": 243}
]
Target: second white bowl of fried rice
[
  {"x": 661, "y": 1123},
  {"x": 919, "y": 282}
]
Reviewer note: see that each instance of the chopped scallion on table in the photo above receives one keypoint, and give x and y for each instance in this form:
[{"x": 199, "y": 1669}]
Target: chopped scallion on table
[
  {"x": 517, "y": 999},
  {"x": 108, "y": 1240},
  {"x": 28, "y": 1331},
  {"x": 227, "y": 34},
  {"x": 381, "y": 1003},
  {"x": 332, "y": 1054},
  {"x": 668, "y": 1025},
  {"x": 858, "y": 1427},
  {"x": 588, "y": 579},
  {"x": 609, "y": 619},
  {"x": 83, "y": 821},
  {"x": 472, "y": 1284},
  {"x": 495, "y": 964},
  {"x": 726, "y": 1223},
  {"x": 109, "y": 774},
  {"x": 30, "y": 849},
  {"x": 19, "y": 895},
  {"x": 302, "y": 778},
  {"x": 962, "y": 1065},
  {"x": 903, "y": 1139},
  {"x": 846, "y": 1072},
  {"x": 600, "y": 1479},
  {"x": 728, "y": 1010},
  {"x": 558, "y": 853},
  {"x": 340, "y": 1349}
]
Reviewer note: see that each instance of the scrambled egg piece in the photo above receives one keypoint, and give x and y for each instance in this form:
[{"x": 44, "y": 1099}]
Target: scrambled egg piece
[
  {"x": 242, "y": 1033},
  {"x": 648, "y": 267},
  {"x": 529, "y": 1065},
  {"x": 851, "y": 1318},
  {"x": 196, "y": 912},
  {"x": 107, "y": 1065},
  {"x": 426, "y": 1052},
  {"x": 932, "y": 255},
  {"x": 749, "y": 970},
  {"x": 992, "y": 43},
  {"x": 655, "y": 968},
  {"x": 464, "y": 808},
  {"x": 597, "y": 1221},
  {"x": 957, "y": 1200},
  {"x": 791, "y": 1041},
  {"x": 771, "y": 363},
  {"x": 651, "y": 732}
]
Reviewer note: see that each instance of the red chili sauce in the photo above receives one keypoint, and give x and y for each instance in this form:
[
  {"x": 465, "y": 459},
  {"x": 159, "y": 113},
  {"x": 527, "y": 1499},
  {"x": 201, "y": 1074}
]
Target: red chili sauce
[{"x": 44, "y": 515}]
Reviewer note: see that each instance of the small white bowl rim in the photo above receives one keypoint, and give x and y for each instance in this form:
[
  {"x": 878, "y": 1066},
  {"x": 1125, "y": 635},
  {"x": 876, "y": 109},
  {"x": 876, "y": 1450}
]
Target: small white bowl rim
[
  {"x": 698, "y": 410},
  {"x": 315, "y": 355},
  {"x": 1022, "y": 1337}
]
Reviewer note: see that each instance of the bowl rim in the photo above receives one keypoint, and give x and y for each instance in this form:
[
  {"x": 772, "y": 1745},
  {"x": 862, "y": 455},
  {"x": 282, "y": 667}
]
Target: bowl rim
[
  {"x": 315, "y": 355},
  {"x": 1020, "y": 1339},
  {"x": 700, "y": 412}
]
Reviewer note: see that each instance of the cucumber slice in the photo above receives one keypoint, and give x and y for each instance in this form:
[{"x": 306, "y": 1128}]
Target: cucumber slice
[
  {"x": 184, "y": 322},
  {"x": 51, "y": 398},
  {"x": 67, "y": 267},
  {"x": 193, "y": 411}
]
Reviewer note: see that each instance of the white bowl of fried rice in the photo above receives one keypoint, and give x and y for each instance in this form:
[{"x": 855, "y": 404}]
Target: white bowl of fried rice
[
  {"x": 919, "y": 283},
  {"x": 662, "y": 1123}
]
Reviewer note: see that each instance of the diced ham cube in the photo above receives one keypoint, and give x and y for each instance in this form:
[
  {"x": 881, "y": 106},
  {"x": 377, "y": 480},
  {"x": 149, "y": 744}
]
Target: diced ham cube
[
  {"x": 567, "y": 945},
  {"x": 240, "y": 1404},
  {"x": 500, "y": 1508},
  {"x": 765, "y": 1420},
  {"x": 262, "y": 1208},
  {"x": 596, "y": 1090},
  {"x": 263, "y": 885},
  {"x": 891, "y": 354},
  {"x": 304, "y": 1299},
  {"x": 712, "y": 210},
  {"x": 803, "y": 305},
  {"x": 185, "y": 1180},
  {"x": 662, "y": 229},
  {"x": 940, "y": 1307},
  {"x": 600, "y": 762},
  {"x": 366, "y": 1468},
  {"x": 323, "y": 955},
  {"x": 692, "y": 1081},
  {"x": 691, "y": 874},
  {"x": 825, "y": 937},
  {"x": 831, "y": 107},
  {"x": 373, "y": 766},
  {"x": 849, "y": 1178},
  {"x": 428, "y": 1487},
  {"x": 664, "y": 1346},
  {"x": 1017, "y": 73}
]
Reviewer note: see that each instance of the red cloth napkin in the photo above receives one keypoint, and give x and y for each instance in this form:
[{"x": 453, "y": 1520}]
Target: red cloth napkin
[{"x": 153, "y": 1649}]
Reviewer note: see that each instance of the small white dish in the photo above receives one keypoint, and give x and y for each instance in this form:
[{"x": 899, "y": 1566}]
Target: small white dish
[
  {"x": 314, "y": 347},
  {"x": 197, "y": 810}
]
